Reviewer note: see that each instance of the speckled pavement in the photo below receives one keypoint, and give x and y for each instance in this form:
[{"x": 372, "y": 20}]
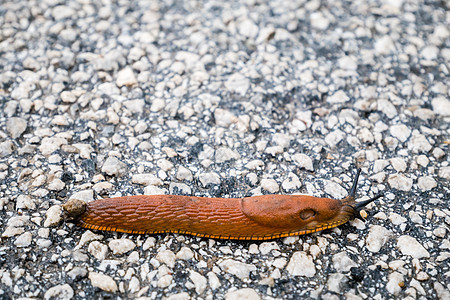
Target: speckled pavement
[{"x": 225, "y": 99}]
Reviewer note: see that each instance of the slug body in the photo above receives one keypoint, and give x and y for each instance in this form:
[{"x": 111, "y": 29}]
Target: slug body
[{"x": 251, "y": 218}]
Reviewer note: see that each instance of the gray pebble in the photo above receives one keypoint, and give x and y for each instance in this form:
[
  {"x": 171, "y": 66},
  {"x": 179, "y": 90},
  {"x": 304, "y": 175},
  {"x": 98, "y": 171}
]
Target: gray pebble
[{"x": 113, "y": 166}]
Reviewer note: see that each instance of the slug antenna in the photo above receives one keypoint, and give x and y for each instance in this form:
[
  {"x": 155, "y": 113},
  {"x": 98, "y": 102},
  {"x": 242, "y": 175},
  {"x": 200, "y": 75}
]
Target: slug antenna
[
  {"x": 352, "y": 193},
  {"x": 360, "y": 205}
]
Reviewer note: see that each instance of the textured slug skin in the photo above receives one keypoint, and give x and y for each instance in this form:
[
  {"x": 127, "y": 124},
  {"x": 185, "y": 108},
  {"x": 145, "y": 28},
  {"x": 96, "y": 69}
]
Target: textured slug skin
[{"x": 252, "y": 218}]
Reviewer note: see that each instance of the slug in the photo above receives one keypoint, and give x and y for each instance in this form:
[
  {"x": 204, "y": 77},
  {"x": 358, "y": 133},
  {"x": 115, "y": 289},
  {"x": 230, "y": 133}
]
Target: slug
[{"x": 250, "y": 218}]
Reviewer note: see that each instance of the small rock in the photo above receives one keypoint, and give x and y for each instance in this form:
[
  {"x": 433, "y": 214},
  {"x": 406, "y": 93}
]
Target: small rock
[
  {"x": 86, "y": 195},
  {"x": 54, "y": 216},
  {"x": 336, "y": 282},
  {"x": 23, "y": 240},
  {"x": 338, "y": 97},
  {"x": 16, "y": 126},
  {"x": 68, "y": 97},
  {"x": 98, "y": 250},
  {"x": 113, "y": 166},
  {"x": 121, "y": 246},
  {"x": 301, "y": 264},
  {"x": 51, "y": 144},
  {"x": 125, "y": 77},
  {"x": 238, "y": 83},
  {"x": 199, "y": 281},
  {"x": 242, "y": 294},
  {"x": 165, "y": 281},
  {"x": 184, "y": 174},
  {"x": 334, "y": 137},
  {"x": 343, "y": 263},
  {"x": 419, "y": 143},
  {"x": 444, "y": 172},
  {"x": 213, "y": 280},
  {"x": 103, "y": 282},
  {"x": 185, "y": 253},
  {"x": 25, "y": 202},
  {"x": 62, "y": 291},
  {"x": 209, "y": 178},
  {"x": 400, "y": 182},
  {"x": 441, "y": 106},
  {"x": 6, "y": 148},
  {"x": 441, "y": 291},
  {"x": 303, "y": 161},
  {"x": 377, "y": 237},
  {"x": 401, "y": 132},
  {"x": 158, "y": 104},
  {"x": 146, "y": 179},
  {"x": 281, "y": 139},
  {"x": 410, "y": 246},
  {"x": 248, "y": 29},
  {"x": 166, "y": 257},
  {"x": 77, "y": 273},
  {"x": 291, "y": 183},
  {"x": 396, "y": 219},
  {"x": 236, "y": 268},
  {"x": 179, "y": 296},
  {"x": 266, "y": 247},
  {"x": 398, "y": 164},
  {"x": 395, "y": 279},
  {"x": 426, "y": 183},
  {"x": 135, "y": 106},
  {"x": 334, "y": 189},
  {"x": 224, "y": 154},
  {"x": 176, "y": 189},
  {"x": 56, "y": 184},
  {"x": 270, "y": 185}
]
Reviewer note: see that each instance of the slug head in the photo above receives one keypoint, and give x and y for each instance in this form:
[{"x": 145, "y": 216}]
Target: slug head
[
  {"x": 350, "y": 202},
  {"x": 300, "y": 212}
]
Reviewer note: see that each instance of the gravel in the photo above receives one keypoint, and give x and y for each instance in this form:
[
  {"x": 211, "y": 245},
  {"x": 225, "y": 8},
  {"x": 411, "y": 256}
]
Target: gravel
[{"x": 225, "y": 99}]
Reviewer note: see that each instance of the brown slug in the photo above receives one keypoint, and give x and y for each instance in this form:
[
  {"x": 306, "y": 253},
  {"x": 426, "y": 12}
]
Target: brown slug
[{"x": 250, "y": 218}]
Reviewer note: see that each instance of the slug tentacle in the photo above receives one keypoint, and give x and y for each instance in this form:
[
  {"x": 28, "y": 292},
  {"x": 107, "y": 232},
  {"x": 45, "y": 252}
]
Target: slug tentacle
[{"x": 357, "y": 206}]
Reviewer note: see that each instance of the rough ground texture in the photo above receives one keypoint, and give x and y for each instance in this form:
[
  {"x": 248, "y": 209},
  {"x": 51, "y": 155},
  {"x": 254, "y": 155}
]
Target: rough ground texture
[{"x": 225, "y": 99}]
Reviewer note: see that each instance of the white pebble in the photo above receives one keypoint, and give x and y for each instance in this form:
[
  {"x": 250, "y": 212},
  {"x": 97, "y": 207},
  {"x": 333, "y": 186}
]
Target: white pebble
[
  {"x": 121, "y": 246},
  {"x": 125, "y": 77},
  {"x": 103, "y": 282},
  {"x": 394, "y": 281},
  {"x": 236, "y": 268},
  {"x": 270, "y": 185},
  {"x": 199, "y": 281},
  {"x": 146, "y": 179},
  {"x": 410, "y": 246},
  {"x": 401, "y": 132},
  {"x": 113, "y": 166},
  {"x": 166, "y": 257},
  {"x": 303, "y": 161},
  {"x": 301, "y": 264},
  {"x": 224, "y": 154},
  {"x": 441, "y": 106},
  {"x": 98, "y": 250},
  {"x": 377, "y": 237},
  {"x": 400, "y": 182},
  {"x": 53, "y": 216},
  {"x": 16, "y": 126},
  {"x": 62, "y": 291},
  {"x": 343, "y": 263},
  {"x": 426, "y": 183},
  {"x": 244, "y": 294},
  {"x": 23, "y": 240},
  {"x": 209, "y": 178},
  {"x": 185, "y": 253}
]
